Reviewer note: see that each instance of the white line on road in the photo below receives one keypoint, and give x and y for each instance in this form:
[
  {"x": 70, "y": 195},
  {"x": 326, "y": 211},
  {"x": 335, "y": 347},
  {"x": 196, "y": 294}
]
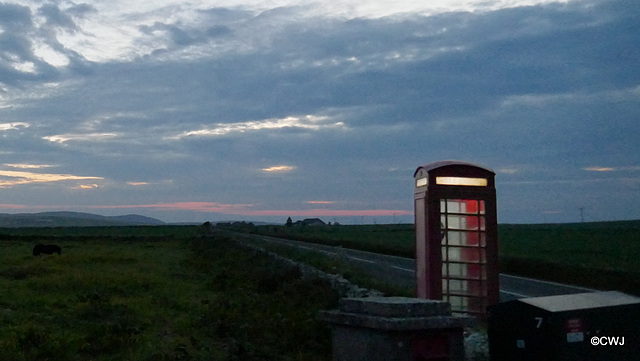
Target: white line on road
[
  {"x": 403, "y": 269},
  {"x": 327, "y": 252},
  {"x": 515, "y": 294},
  {"x": 361, "y": 260}
]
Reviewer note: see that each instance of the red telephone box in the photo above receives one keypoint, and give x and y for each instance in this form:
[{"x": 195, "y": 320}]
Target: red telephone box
[{"x": 456, "y": 235}]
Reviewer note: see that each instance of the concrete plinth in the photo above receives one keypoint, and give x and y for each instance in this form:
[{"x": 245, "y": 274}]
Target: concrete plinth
[{"x": 396, "y": 328}]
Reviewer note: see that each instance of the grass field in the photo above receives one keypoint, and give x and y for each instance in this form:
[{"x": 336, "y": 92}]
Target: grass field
[
  {"x": 136, "y": 297},
  {"x": 167, "y": 293},
  {"x": 603, "y": 255},
  {"x": 600, "y": 254},
  {"x": 96, "y": 233},
  {"x": 394, "y": 239}
]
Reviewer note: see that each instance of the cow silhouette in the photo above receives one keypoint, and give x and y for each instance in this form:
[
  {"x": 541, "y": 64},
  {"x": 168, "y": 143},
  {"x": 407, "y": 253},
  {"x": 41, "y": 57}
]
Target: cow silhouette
[{"x": 46, "y": 249}]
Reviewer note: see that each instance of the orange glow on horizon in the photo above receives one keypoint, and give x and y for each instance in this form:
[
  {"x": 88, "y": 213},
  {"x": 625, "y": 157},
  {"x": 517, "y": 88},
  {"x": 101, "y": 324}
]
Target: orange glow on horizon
[
  {"x": 244, "y": 210},
  {"x": 186, "y": 206},
  {"x": 14, "y": 206},
  {"x": 331, "y": 213}
]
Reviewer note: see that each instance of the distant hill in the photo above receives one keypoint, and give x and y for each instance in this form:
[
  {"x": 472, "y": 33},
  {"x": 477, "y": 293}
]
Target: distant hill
[{"x": 72, "y": 219}]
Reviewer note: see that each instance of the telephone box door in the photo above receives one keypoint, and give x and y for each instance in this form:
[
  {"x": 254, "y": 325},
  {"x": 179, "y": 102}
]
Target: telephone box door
[{"x": 456, "y": 235}]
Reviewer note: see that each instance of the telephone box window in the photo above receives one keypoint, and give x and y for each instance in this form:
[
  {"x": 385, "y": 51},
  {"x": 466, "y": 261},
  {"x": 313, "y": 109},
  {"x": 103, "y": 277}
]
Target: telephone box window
[{"x": 463, "y": 254}]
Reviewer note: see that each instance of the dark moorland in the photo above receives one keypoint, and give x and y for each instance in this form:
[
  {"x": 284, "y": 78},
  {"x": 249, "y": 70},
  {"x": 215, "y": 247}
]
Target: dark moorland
[{"x": 153, "y": 293}]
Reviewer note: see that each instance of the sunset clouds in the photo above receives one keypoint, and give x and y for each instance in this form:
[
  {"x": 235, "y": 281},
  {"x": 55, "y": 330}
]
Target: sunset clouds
[{"x": 11, "y": 178}]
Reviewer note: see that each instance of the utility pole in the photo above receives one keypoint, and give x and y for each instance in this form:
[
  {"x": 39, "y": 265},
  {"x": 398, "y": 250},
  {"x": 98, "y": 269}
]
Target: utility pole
[{"x": 582, "y": 214}]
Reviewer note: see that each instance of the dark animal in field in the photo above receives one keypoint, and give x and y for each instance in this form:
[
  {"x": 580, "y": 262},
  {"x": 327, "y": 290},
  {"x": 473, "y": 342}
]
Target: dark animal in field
[{"x": 46, "y": 249}]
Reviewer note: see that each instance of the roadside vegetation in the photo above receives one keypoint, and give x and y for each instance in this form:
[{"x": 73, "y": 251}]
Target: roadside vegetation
[
  {"x": 602, "y": 255},
  {"x": 132, "y": 294},
  {"x": 334, "y": 264},
  {"x": 392, "y": 239}
]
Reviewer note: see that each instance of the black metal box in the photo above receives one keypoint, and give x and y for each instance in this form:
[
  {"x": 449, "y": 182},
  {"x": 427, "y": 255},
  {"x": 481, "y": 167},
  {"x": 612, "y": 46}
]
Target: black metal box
[{"x": 596, "y": 326}]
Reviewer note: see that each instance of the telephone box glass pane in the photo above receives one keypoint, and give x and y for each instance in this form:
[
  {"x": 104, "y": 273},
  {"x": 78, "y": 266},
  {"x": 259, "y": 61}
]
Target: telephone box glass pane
[
  {"x": 455, "y": 238},
  {"x": 458, "y": 303},
  {"x": 463, "y": 254},
  {"x": 476, "y": 271},
  {"x": 470, "y": 223},
  {"x": 453, "y": 254},
  {"x": 467, "y": 271},
  {"x": 469, "y": 206},
  {"x": 461, "y": 206},
  {"x": 443, "y": 223},
  {"x": 457, "y": 270},
  {"x": 465, "y": 287},
  {"x": 463, "y": 228},
  {"x": 456, "y": 222},
  {"x": 457, "y": 286}
]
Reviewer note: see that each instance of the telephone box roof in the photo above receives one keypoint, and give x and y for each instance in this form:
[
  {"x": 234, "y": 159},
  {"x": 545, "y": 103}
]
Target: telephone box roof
[{"x": 450, "y": 163}]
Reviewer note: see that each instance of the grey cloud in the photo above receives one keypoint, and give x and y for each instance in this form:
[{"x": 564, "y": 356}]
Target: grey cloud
[
  {"x": 181, "y": 36},
  {"x": 56, "y": 17},
  {"x": 218, "y": 31},
  {"x": 15, "y": 17},
  {"x": 21, "y": 36},
  {"x": 17, "y": 23},
  {"x": 452, "y": 84},
  {"x": 547, "y": 90},
  {"x": 219, "y": 14},
  {"x": 80, "y": 10},
  {"x": 217, "y": 23}
]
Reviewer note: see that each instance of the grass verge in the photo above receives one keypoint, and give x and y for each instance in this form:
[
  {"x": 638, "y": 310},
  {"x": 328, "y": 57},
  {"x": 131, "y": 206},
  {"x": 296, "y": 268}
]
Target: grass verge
[
  {"x": 335, "y": 265},
  {"x": 167, "y": 299}
]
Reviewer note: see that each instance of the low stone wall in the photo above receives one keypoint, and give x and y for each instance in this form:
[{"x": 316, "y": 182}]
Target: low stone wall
[{"x": 338, "y": 283}]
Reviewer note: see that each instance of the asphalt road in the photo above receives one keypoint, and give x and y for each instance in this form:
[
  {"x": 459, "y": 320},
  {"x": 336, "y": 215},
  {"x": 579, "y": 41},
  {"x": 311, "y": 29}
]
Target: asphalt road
[{"x": 401, "y": 270}]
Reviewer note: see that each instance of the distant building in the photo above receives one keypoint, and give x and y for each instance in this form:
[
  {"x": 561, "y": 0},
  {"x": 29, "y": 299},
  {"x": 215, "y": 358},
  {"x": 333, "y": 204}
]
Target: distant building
[{"x": 310, "y": 222}]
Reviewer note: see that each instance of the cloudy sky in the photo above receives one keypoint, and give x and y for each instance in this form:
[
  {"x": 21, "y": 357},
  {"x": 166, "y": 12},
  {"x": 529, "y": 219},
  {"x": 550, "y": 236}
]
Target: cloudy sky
[{"x": 202, "y": 110}]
